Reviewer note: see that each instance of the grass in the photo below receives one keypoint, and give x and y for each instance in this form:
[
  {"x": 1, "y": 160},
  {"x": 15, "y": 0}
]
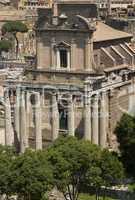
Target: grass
[{"x": 89, "y": 197}]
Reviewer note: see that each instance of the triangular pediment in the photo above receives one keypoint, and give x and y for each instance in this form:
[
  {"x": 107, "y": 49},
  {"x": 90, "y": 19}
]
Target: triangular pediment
[{"x": 63, "y": 44}]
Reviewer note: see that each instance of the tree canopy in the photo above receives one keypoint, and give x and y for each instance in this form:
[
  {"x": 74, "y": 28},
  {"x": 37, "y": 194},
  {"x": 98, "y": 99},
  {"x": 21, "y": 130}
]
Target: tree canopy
[
  {"x": 69, "y": 164},
  {"x": 5, "y": 45},
  {"x": 31, "y": 175},
  {"x": 7, "y": 155},
  {"x": 78, "y": 163},
  {"x": 125, "y": 131},
  {"x": 14, "y": 27}
]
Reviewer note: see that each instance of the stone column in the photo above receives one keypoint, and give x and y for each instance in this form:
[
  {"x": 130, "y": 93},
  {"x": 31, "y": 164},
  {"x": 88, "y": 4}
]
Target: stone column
[
  {"x": 88, "y": 55},
  {"x": 9, "y": 135},
  {"x": 55, "y": 118},
  {"x": 73, "y": 54},
  {"x": 71, "y": 120},
  {"x": 23, "y": 124},
  {"x": 95, "y": 121},
  {"x": 38, "y": 122},
  {"x": 17, "y": 114},
  {"x": 28, "y": 110},
  {"x": 103, "y": 119},
  {"x": 87, "y": 116}
]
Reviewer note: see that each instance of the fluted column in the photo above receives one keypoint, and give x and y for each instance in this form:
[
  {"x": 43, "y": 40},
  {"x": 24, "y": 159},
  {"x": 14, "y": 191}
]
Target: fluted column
[
  {"x": 103, "y": 119},
  {"x": 9, "y": 135},
  {"x": 95, "y": 121},
  {"x": 17, "y": 114},
  {"x": 87, "y": 115},
  {"x": 55, "y": 118},
  {"x": 71, "y": 120},
  {"x": 38, "y": 122},
  {"x": 23, "y": 124}
]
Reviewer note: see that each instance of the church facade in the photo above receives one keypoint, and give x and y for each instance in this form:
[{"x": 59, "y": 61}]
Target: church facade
[{"x": 81, "y": 85}]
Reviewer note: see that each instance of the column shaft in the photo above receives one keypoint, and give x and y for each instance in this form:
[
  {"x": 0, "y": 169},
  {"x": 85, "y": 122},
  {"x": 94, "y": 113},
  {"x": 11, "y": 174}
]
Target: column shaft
[
  {"x": 9, "y": 134},
  {"x": 103, "y": 120},
  {"x": 71, "y": 120},
  {"x": 38, "y": 122},
  {"x": 95, "y": 121},
  {"x": 23, "y": 124},
  {"x": 87, "y": 118},
  {"x": 17, "y": 114},
  {"x": 55, "y": 118}
]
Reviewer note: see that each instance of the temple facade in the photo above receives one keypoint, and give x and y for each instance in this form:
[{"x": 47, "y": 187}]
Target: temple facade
[{"x": 81, "y": 85}]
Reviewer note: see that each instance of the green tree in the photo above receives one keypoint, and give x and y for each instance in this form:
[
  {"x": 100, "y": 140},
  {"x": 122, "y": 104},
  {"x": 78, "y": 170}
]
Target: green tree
[
  {"x": 107, "y": 172},
  {"x": 14, "y": 27},
  {"x": 7, "y": 155},
  {"x": 31, "y": 176},
  {"x": 71, "y": 158},
  {"x": 5, "y": 45},
  {"x": 112, "y": 169},
  {"x": 78, "y": 164},
  {"x": 125, "y": 131}
]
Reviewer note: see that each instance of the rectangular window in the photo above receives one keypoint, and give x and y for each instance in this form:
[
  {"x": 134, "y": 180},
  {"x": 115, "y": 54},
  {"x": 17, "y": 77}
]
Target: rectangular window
[{"x": 63, "y": 58}]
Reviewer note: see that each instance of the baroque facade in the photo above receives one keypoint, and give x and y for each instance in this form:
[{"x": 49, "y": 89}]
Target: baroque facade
[{"x": 82, "y": 83}]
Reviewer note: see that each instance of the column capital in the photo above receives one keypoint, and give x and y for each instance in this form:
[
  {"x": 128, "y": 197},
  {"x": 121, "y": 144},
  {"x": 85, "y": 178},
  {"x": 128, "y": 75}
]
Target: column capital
[
  {"x": 88, "y": 41},
  {"x": 53, "y": 40},
  {"x": 111, "y": 92},
  {"x": 54, "y": 98},
  {"x": 95, "y": 97},
  {"x": 70, "y": 98},
  {"x": 103, "y": 93}
]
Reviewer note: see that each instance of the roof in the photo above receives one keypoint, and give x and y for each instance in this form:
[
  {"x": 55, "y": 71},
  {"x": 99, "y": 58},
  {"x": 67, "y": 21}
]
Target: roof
[{"x": 104, "y": 32}]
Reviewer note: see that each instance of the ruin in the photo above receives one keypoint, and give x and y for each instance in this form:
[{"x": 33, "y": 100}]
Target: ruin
[{"x": 81, "y": 84}]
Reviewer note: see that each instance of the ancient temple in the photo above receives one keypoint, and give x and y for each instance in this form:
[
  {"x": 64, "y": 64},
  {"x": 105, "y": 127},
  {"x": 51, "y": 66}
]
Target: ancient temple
[{"x": 82, "y": 83}]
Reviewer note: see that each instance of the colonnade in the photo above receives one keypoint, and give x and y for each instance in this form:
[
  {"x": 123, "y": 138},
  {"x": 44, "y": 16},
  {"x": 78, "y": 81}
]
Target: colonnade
[{"x": 95, "y": 118}]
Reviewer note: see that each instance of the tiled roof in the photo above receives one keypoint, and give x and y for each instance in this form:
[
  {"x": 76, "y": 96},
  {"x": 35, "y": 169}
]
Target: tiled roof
[{"x": 104, "y": 32}]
